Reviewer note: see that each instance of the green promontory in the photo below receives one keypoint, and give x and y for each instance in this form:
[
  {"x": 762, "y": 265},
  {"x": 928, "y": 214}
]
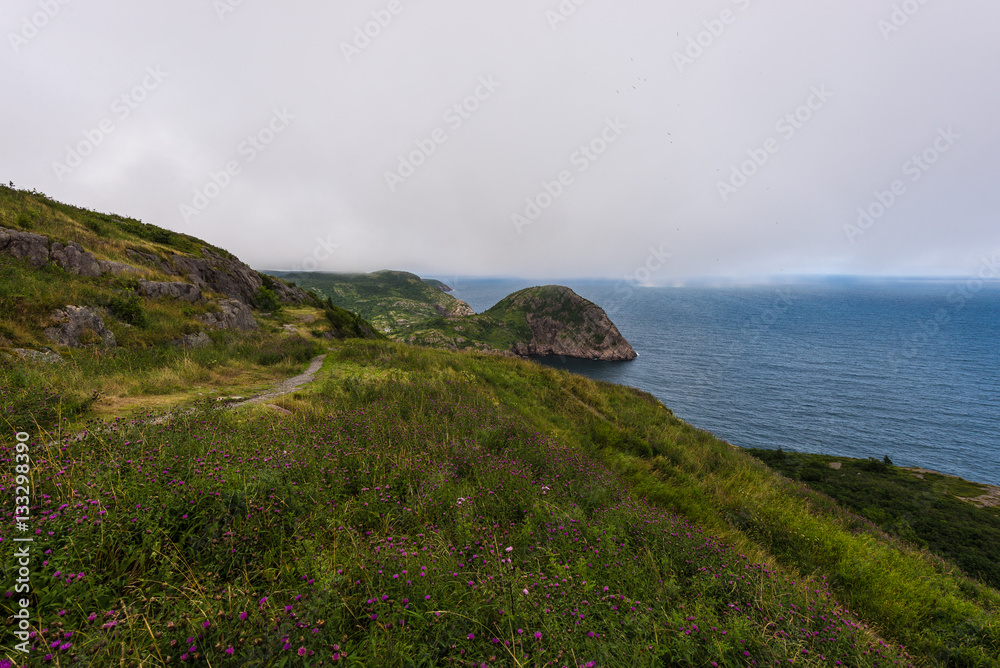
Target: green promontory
[
  {"x": 390, "y": 300},
  {"x": 546, "y": 320}
]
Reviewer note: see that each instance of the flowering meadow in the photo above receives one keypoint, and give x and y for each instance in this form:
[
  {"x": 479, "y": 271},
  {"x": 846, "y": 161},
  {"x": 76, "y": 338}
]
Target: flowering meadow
[{"x": 410, "y": 511}]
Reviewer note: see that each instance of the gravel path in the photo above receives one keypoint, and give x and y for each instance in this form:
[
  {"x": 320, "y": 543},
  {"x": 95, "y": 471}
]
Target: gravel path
[{"x": 288, "y": 385}]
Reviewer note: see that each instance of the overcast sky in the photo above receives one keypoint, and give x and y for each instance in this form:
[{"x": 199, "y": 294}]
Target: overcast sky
[{"x": 523, "y": 138}]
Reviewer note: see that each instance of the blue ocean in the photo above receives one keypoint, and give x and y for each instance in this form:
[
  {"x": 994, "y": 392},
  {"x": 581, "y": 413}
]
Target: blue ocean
[{"x": 858, "y": 368}]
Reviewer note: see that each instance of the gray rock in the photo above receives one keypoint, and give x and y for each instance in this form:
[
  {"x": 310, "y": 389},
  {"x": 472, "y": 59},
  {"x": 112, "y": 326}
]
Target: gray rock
[
  {"x": 34, "y": 248},
  {"x": 173, "y": 290},
  {"x": 117, "y": 268},
  {"x": 74, "y": 259},
  {"x": 234, "y": 315},
  {"x": 74, "y": 322},
  {"x": 47, "y": 356},
  {"x": 231, "y": 277},
  {"x": 150, "y": 260},
  {"x": 199, "y": 340},
  {"x": 455, "y": 308}
]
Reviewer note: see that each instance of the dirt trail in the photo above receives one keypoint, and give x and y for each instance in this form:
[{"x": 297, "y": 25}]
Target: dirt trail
[{"x": 288, "y": 385}]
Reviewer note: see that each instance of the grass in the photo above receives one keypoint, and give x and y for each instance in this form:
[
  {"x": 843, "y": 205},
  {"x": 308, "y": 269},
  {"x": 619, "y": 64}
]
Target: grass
[
  {"x": 929, "y": 510},
  {"x": 389, "y": 300},
  {"x": 421, "y": 508},
  {"x": 103, "y": 383},
  {"x": 102, "y": 233}
]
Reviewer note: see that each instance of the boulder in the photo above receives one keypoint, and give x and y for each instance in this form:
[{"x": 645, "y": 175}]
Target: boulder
[
  {"x": 234, "y": 315},
  {"x": 199, "y": 340},
  {"x": 33, "y": 248},
  {"x": 74, "y": 259},
  {"x": 172, "y": 290},
  {"x": 74, "y": 323}
]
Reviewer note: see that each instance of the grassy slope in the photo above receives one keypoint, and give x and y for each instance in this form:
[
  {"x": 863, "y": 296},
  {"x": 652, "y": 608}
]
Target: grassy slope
[
  {"x": 28, "y": 296},
  {"x": 380, "y": 513},
  {"x": 927, "y": 509},
  {"x": 106, "y": 235},
  {"x": 145, "y": 371},
  {"x": 390, "y": 300}
]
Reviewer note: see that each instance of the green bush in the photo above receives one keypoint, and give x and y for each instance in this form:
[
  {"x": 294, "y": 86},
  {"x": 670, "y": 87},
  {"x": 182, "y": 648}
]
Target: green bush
[
  {"x": 128, "y": 308},
  {"x": 25, "y": 220},
  {"x": 266, "y": 300}
]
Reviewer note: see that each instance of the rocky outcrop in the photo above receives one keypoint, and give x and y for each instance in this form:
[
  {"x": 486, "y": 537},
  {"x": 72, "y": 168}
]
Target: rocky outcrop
[
  {"x": 454, "y": 308},
  {"x": 171, "y": 290},
  {"x": 150, "y": 260},
  {"x": 564, "y": 323},
  {"x": 117, "y": 268},
  {"x": 74, "y": 259},
  {"x": 230, "y": 277},
  {"x": 288, "y": 293},
  {"x": 27, "y": 246},
  {"x": 225, "y": 275},
  {"x": 234, "y": 314},
  {"x": 79, "y": 325}
]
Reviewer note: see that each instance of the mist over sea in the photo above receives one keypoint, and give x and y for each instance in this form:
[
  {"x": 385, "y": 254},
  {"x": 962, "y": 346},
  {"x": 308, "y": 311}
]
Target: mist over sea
[{"x": 910, "y": 369}]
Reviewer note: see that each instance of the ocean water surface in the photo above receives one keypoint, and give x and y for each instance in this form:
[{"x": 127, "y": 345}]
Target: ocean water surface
[{"x": 909, "y": 369}]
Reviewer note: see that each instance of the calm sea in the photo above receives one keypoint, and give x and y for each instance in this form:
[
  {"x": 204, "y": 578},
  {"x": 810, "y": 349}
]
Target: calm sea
[{"x": 909, "y": 369}]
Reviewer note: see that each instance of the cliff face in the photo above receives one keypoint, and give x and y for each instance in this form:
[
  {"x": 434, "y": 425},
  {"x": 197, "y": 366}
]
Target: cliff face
[{"x": 562, "y": 322}]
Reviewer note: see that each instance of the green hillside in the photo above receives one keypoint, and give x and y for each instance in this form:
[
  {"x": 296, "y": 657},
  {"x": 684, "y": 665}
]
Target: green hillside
[
  {"x": 413, "y": 506},
  {"x": 922, "y": 507},
  {"x": 423, "y": 507},
  {"x": 390, "y": 300},
  {"x": 153, "y": 351},
  {"x": 543, "y": 320}
]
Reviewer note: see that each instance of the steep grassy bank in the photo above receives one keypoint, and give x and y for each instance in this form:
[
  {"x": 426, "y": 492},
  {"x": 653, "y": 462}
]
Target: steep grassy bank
[
  {"x": 928, "y": 509},
  {"x": 372, "y": 526}
]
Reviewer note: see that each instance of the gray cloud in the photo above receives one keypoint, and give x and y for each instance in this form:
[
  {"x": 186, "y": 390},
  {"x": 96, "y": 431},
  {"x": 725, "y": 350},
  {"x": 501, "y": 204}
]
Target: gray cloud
[{"x": 696, "y": 91}]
